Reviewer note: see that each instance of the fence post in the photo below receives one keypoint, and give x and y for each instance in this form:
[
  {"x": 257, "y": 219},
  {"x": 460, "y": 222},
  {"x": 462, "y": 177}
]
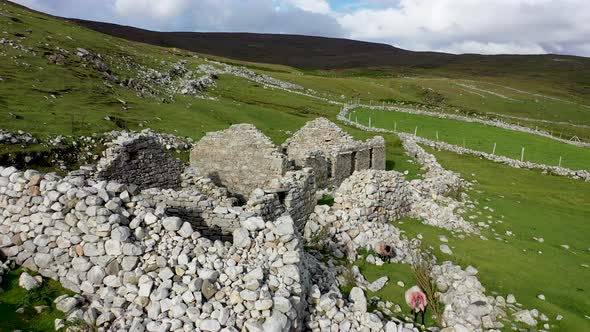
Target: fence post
[
  {"x": 370, "y": 122},
  {"x": 494, "y": 151},
  {"x": 559, "y": 161},
  {"x": 395, "y": 126},
  {"x": 416, "y": 131},
  {"x": 522, "y": 154},
  {"x": 463, "y": 143},
  {"x": 437, "y": 135}
]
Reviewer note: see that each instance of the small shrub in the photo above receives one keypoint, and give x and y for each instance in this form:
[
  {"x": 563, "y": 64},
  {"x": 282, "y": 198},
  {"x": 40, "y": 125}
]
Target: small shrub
[
  {"x": 326, "y": 200},
  {"x": 316, "y": 240},
  {"x": 422, "y": 269},
  {"x": 36, "y": 296}
]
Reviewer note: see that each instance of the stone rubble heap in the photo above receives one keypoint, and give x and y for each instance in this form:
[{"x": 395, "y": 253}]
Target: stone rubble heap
[
  {"x": 170, "y": 142},
  {"x": 140, "y": 269},
  {"x": 466, "y": 304},
  {"x": 432, "y": 202},
  {"x": 197, "y": 86},
  {"x": 363, "y": 206},
  {"x": 137, "y": 268},
  {"x": 19, "y": 137}
]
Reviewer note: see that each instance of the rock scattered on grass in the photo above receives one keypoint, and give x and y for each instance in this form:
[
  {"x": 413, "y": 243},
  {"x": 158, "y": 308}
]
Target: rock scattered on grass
[
  {"x": 445, "y": 249},
  {"x": 28, "y": 282}
]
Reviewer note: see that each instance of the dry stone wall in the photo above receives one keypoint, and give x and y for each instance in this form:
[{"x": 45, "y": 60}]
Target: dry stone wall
[
  {"x": 140, "y": 160},
  {"x": 384, "y": 196},
  {"x": 240, "y": 158},
  {"x": 299, "y": 197},
  {"x": 212, "y": 221}
]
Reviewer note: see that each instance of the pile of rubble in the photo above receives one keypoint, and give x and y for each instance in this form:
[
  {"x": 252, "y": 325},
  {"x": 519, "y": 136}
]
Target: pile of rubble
[
  {"x": 139, "y": 268},
  {"x": 432, "y": 194},
  {"x": 359, "y": 219}
]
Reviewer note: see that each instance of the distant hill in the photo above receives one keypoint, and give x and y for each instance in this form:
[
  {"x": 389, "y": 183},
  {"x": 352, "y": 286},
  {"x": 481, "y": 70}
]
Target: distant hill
[
  {"x": 308, "y": 52},
  {"x": 320, "y": 53},
  {"x": 292, "y": 50}
]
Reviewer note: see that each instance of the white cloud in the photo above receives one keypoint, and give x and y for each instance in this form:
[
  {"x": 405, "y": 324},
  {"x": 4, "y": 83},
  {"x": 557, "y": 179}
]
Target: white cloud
[
  {"x": 156, "y": 9},
  {"x": 482, "y": 26},
  {"x": 474, "y": 26},
  {"x": 493, "y": 48},
  {"x": 314, "y": 6}
]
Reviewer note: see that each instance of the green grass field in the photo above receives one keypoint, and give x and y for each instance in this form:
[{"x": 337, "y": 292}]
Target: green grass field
[{"x": 480, "y": 137}]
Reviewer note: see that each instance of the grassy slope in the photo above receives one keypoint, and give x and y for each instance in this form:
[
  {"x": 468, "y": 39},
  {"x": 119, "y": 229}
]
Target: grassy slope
[
  {"x": 532, "y": 205},
  {"x": 481, "y": 137}
]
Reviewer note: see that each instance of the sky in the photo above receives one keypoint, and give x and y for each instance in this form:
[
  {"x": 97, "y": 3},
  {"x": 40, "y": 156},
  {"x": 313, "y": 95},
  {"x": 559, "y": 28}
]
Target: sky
[{"x": 454, "y": 26}]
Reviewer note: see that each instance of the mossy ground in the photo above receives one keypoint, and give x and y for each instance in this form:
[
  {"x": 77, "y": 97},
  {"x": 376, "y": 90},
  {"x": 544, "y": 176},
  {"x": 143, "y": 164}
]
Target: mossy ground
[{"x": 15, "y": 297}]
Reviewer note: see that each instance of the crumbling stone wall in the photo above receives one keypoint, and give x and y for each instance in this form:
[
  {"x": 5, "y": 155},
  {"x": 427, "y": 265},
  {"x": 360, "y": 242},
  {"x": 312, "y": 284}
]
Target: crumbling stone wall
[
  {"x": 128, "y": 257},
  {"x": 300, "y": 197},
  {"x": 293, "y": 194},
  {"x": 240, "y": 158},
  {"x": 266, "y": 204},
  {"x": 139, "y": 159},
  {"x": 321, "y": 166},
  {"x": 213, "y": 221},
  {"x": 383, "y": 196},
  {"x": 342, "y": 152}
]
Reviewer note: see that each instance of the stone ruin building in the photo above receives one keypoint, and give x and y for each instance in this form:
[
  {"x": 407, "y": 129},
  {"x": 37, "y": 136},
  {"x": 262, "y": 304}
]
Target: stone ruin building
[
  {"x": 332, "y": 153},
  {"x": 240, "y": 168},
  {"x": 138, "y": 237},
  {"x": 240, "y": 158}
]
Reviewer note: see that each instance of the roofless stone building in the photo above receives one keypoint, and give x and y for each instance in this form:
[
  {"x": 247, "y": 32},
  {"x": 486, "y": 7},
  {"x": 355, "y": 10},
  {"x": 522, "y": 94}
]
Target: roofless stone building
[
  {"x": 342, "y": 154},
  {"x": 242, "y": 158}
]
